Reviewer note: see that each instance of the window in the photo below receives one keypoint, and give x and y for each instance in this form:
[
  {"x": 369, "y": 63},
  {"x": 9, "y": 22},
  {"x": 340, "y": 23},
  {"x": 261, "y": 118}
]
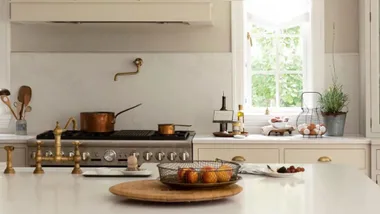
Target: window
[
  {"x": 276, "y": 67},
  {"x": 283, "y": 45}
]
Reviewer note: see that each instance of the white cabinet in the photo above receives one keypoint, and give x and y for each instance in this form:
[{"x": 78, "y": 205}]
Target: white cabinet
[
  {"x": 349, "y": 156},
  {"x": 375, "y": 160},
  {"x": 369, "y": 67},
  {"x": 251, "y": 155},
  {"x": 355, "y": 155},
  {"x": 18, "y": 156},
  {"x": 192, "y": 12}
]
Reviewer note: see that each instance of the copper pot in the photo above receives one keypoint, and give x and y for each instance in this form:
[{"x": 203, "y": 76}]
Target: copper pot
[
  {"x": 100, "y": 121},
  {"x": 168, "y": 129}
]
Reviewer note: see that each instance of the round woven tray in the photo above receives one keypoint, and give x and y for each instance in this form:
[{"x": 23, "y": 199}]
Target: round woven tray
[{"x": 155, "y": 191}]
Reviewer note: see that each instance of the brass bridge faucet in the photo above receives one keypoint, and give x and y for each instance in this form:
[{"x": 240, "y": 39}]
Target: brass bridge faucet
[{"x": 76, "y": 158}]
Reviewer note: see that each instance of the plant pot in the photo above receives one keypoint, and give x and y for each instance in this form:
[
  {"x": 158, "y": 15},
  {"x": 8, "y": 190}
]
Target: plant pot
[{"x": 334, "y": 123}]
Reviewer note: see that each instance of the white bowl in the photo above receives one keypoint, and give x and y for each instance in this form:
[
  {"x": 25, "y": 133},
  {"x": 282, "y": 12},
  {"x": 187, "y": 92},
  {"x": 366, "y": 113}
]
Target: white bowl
[
  {"x": 278, "y": 125},
  {"x": 102, "y": 170}
]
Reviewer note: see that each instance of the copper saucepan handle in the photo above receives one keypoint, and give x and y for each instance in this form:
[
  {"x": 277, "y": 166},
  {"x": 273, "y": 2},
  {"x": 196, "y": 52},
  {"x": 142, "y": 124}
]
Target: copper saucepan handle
[{"x": 114, "y": 119}]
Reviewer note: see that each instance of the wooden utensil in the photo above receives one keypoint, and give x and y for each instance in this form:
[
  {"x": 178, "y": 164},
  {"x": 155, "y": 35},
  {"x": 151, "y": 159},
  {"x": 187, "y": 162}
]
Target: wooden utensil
[
  {"x": 17, "y": 105},
  {"x": 4, "y": 93},
  {"x": 22, "y": 91},
  {"x": 154, "y": 190},
  {"x": 24, "y": 96}
]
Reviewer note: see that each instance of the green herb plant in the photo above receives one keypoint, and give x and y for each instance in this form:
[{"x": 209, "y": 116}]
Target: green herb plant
[{"x": 333, "y": 100}]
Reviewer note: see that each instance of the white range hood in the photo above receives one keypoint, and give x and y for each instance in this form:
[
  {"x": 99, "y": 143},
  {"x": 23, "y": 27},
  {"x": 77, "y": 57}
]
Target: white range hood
[{"x": 193, "y": 12}]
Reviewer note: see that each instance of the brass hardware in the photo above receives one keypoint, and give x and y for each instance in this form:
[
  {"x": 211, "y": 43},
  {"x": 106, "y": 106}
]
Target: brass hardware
[
  {"x": 238, "y": 159},
  {"x": 324, "y": 159},
  {"x": 57, "y": 157},
  {"x": 73, "y": 121},
  {"x": 9, "y": 169},
  {"x": 249, "y": 39},
  {"x": 138, "y": 62}
]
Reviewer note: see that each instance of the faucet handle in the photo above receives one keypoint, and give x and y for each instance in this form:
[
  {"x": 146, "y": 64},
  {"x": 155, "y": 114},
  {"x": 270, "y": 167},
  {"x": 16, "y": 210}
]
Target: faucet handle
[
  {"x": 39, "y": 143},
  {"x": 77, "y": 143}
]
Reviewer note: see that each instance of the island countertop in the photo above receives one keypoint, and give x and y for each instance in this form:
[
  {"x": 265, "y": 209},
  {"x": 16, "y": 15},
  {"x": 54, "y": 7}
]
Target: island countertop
[{"x": 322, "y": 189}]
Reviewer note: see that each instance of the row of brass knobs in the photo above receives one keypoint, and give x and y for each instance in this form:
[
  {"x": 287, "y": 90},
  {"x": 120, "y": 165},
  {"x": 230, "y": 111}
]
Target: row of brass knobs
[{"x": 323, "y": 159}]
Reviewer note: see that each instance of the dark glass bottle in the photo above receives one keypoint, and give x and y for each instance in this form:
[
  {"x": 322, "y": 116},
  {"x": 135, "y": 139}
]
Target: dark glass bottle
[{"x": 223, "y": 126}]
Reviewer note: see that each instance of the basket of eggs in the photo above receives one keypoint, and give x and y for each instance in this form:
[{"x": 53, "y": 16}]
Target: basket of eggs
[
  {"x": 312, "y": 129},
  {"x": 199, "y": 174},
  {"x": 309, "y": 121}
]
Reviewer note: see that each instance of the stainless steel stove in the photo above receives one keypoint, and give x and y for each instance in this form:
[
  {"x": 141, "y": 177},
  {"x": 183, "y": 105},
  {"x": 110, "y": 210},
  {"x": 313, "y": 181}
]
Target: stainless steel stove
[{"x": 113, "y": 149}]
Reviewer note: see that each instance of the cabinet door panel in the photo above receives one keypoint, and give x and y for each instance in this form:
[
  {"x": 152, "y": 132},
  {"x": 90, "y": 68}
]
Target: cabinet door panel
[
  {"x": 18, "y": 157},
  {"x": 352, "y": 157},
  {"x": 250, "y": 155},
  {"x": 378, "y": 179}
]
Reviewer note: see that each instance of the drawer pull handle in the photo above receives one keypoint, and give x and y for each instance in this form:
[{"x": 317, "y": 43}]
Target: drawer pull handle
[
  {"x": 238, "y": 159},
  {"x": 324, "y": 159}
]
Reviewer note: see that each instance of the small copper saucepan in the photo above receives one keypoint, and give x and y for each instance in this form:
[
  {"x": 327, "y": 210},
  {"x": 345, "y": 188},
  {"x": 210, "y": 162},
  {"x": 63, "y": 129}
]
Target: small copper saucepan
[{"x": 168, "y": 129}]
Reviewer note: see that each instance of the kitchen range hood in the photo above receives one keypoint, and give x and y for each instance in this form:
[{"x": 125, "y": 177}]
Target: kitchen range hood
[{"x": 112, "y": 11}]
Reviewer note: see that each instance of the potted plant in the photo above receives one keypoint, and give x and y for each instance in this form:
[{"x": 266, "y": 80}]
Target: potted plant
[{"x": 333, "y": 102}]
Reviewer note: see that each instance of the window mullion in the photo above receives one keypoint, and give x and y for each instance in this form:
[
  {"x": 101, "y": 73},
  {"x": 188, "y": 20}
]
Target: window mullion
[{"x": 277, "y": 75}]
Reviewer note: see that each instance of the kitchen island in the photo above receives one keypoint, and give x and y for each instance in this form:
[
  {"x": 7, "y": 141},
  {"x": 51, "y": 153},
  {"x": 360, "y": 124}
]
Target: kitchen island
[{"x": 322, "y": 189}]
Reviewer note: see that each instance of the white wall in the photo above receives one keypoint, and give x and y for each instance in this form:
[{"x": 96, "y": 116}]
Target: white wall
[
  {"x": 75, "y": 78},
  {"x": 174, "y": 88}
]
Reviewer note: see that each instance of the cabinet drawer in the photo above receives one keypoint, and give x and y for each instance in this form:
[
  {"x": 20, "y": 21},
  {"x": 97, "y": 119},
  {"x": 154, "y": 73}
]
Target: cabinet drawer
[
  {"x": 378, "y": 159},
  {"x": 352, "y": 157},
  {"x": 250, "y": 155},
  {"x": 18, "y": 157}
]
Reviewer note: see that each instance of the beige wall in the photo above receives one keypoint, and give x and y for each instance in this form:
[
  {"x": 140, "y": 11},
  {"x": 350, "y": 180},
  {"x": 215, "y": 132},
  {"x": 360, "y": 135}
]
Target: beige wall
[
  {"x": 127, "y": 37},
  {"x": 172, "y": 38},
  {"x": 345, "y": 15}
]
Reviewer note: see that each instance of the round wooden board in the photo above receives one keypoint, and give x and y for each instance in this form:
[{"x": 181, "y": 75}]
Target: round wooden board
[{"x": 154, "y": 190}]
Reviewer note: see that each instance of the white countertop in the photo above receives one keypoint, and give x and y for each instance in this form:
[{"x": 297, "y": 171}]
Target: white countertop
[
  {"x": 323, "y": 189},
  {"x": 294, "y": 139},
  {"x": 15, "y": 139}
]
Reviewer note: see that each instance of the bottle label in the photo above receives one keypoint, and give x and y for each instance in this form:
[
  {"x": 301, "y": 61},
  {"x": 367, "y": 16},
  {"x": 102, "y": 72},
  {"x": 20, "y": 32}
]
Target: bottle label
[{"x": 241, "y": 120}]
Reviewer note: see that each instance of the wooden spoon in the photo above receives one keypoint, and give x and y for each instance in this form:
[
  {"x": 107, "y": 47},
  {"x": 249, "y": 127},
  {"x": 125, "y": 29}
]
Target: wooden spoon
[
  {"x": 22, "y": 91},
  {"x": 25, "y": 103},
  {"x": 4, "y": 93},
  {"x": 24, "y": 95}
]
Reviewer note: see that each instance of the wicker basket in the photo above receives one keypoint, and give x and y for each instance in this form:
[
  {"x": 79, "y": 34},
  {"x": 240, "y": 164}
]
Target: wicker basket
[{"x": 199, "y": 174}]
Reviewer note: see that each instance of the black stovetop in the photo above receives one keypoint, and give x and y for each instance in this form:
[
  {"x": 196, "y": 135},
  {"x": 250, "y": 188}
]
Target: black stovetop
[{"x": 116, "y": 135}]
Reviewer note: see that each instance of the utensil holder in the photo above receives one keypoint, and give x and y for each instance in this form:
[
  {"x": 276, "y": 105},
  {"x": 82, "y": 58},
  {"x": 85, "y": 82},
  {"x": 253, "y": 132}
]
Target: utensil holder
[{"x": 21, "y": 127}]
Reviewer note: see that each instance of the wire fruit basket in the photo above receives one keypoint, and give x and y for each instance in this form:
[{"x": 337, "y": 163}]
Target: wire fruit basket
[
  {"x": 309, "y": 121},
  {"x": 199, "y": 174}
]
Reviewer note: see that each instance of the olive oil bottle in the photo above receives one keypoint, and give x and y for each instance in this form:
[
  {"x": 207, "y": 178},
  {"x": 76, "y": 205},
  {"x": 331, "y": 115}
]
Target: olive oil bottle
[{"x": 240, "y": 118}]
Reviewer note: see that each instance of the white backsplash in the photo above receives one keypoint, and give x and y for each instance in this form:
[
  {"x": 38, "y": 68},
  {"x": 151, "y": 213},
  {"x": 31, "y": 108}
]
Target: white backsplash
[{"x": 174, "y": 88}]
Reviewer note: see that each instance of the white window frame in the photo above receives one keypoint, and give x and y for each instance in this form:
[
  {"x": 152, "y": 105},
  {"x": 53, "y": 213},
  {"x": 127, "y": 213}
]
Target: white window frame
[
  {"x": 315, "y": 80},
  {"x": 5, "y": 115}
]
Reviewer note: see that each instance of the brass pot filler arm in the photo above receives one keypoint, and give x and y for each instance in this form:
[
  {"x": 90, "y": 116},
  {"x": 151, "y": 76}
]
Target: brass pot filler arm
[{"x": 138, "y": 62}]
